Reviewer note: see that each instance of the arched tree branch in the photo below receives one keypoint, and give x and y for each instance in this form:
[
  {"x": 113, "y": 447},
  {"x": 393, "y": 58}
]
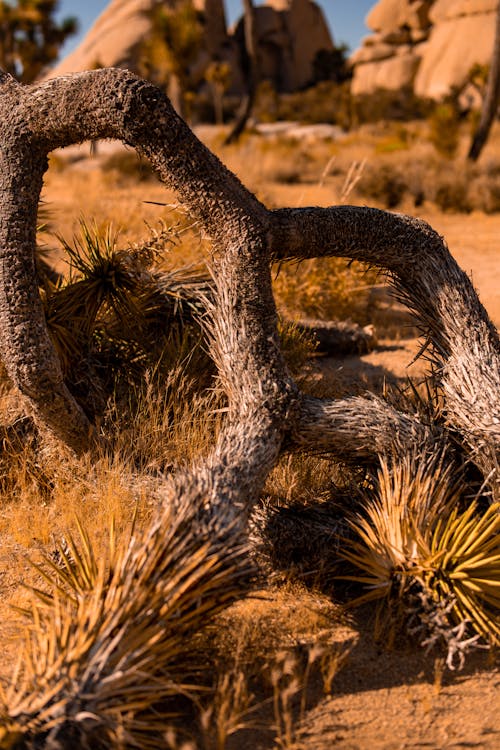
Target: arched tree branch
[
  {"x": 247, "y": 237},
  {"x": 465, "y": 344}
]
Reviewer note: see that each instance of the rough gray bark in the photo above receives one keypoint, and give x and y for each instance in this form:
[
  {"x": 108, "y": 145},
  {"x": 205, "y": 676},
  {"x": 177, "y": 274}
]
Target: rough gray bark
[
  {"x": 264, "y": 404},
  {"x": 464, "y": 344}
]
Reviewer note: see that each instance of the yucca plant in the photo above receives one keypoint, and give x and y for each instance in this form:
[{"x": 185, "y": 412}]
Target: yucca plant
[
  {"x": 111, "y": 646},
  {"x": 465, "y": 567},
  {"x": 418, "y": 552},
  {"x": 116, "y": 314}
]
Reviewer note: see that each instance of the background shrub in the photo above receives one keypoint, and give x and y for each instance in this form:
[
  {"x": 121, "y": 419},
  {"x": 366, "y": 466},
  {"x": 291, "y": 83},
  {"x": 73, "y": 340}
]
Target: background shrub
[
  {"x": 384, "y": 184},
  {"x": 444, "y": 129}
]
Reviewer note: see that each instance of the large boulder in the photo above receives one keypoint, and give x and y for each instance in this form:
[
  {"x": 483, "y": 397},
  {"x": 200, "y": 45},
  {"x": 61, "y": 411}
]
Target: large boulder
[
  {"x": 290, "y": 34},
  {"x": 113, "y": 39},
  {"x": 451, "y": 51},
  {"x": 429, "y": 46},
  {"x": 444, "y": 10},
  {"x": 393, "y": 74},
  {"x": 308, "y": 34},
  {"x": 116, "y": 36},
  {"x": 390, "y": 15}
]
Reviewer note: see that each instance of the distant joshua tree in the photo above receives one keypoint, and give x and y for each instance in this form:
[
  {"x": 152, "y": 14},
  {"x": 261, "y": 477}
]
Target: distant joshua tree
[
  {"x": 171, "y": 48},
  {"x": 30, "y": 38},
  {"x": 491, "y": 99},
  {"x": 218, "y": 76},
  {"x": 252, "y": 71}
]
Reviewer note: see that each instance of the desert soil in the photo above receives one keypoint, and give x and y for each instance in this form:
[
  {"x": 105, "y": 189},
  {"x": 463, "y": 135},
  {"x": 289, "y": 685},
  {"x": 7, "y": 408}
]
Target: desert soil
[{"x": 380, "y": 698}]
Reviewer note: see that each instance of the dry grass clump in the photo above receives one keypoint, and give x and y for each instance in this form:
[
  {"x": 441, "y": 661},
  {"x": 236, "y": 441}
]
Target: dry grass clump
[
  {"x": 452, "y": 186},
  {"x": 128, "y": 165},
  {"x": 276, "y": 658},
  {"x": 297, "y": 344},
  {"x": 277, "y": 159},
  {"x": 444, "y": 129},
  {"x": 298, "y": 528},
  {"x": 324, "y": 289}
]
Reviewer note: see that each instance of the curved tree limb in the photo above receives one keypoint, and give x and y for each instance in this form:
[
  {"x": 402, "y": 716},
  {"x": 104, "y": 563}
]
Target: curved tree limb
[
  {"x": 360, "y": 429},
  {"x": 115, "y": 103},
  {"x": 112, "y": 104},
  {"x": 465, "y": 344}
]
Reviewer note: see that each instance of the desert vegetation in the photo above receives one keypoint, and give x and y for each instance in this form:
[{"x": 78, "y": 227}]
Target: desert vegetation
[{"x": 171, "y": 460}]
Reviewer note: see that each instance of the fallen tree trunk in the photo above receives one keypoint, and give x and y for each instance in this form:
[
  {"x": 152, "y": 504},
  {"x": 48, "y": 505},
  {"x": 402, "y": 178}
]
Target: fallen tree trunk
[{"x": 247, "y": 238}]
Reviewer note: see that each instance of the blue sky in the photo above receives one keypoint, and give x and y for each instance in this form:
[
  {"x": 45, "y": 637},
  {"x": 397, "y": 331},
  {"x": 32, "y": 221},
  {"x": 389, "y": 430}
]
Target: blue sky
[{"x": 345, "y": 17}]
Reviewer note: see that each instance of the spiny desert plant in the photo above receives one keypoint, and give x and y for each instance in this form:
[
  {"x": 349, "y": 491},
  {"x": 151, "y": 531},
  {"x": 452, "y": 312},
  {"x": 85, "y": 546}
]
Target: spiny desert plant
[
  {"x": 117, "y": 315},
  {"x": 414, "y": 536},
  {"x": 112, "y": 642}
]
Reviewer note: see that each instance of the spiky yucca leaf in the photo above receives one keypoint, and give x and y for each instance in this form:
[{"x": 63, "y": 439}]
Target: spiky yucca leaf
[
  {"x": 100, "y": 665},
  {"x": 117, "y": 315},
  {"x": 101, "y": 276},
  {"x": 465, "y": 550},
  {"x": 392, "y": 538},
  {"x": 72, "y": 570},
  {"x": 413, "y": 532}
]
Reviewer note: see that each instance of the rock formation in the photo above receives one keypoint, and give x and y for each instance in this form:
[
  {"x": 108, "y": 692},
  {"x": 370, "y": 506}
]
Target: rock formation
[
  {"x": 290, "y": 32},
  {"x": 112, "y": 40},
  {"x": 429, "y": 46}
]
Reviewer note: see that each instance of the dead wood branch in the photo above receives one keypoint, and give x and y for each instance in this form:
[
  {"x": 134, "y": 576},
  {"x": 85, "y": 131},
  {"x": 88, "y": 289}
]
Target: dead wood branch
[
  {"x": 263, "y": 400},
  {"x": 464, "y": 344}
]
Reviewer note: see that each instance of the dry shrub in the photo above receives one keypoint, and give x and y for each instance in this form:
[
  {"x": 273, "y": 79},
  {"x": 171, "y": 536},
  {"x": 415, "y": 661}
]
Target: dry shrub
[
  {"x": 325, "y": 102},
  {"x": 297, "y": 345},
  {"x": 399, "y": 140},
  {"x": 452, "y": 196},
  {"x": 444, "y": 129},
  {"x": 384, "y": 184},
  {"x": 453, "y": 187},
  {"x": 385, "y": 105},
  {"x": 325, "y": 289},
  {"x": 484, "y": 188},
  {"x": 284, "y": 161},
  {"x": 129, "y": 165}
]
